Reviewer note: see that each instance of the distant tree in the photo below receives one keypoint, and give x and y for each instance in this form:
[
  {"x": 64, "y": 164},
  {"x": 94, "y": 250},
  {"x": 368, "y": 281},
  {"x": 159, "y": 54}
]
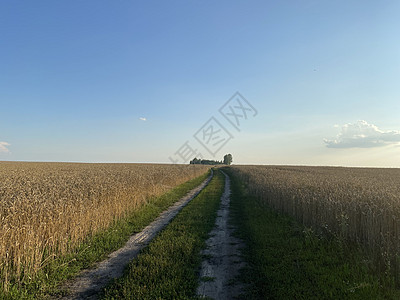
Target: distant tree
[
  {"x": 228, "y": 159},
  {"x": 195, "y": 161}
]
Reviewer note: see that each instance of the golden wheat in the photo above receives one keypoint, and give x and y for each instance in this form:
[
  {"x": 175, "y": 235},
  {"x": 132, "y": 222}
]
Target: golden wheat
[
  {"x": 356, "y": 204},
  {"x": 47, "y": 209}
]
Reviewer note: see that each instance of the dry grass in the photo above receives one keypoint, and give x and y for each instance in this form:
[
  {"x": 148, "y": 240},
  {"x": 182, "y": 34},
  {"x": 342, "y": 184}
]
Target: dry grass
[
  {"x": 48, "y": 209},
  {"x": 355, "y": 204}
]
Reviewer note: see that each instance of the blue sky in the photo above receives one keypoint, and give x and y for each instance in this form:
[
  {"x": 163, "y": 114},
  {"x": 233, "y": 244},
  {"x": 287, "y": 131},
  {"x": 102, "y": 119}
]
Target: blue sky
[{"x": 77, "y": 76}]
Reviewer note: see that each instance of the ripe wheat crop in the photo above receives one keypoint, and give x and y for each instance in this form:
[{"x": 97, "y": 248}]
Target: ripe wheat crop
[
  {"x": 355, "y": 204},
  {"x": 48, "y": 209}
]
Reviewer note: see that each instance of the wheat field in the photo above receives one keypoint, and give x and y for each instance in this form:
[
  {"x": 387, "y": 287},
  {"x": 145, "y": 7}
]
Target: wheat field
[
  {"x": 360, "y": 205},
  {"x": 48, "y": 209}
]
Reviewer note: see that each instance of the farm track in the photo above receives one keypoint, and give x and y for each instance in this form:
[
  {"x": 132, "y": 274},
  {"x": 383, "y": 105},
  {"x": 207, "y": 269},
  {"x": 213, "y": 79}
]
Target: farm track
[
  {"x": 92, "y": 281},
  {"x": 223, "y": 260}
]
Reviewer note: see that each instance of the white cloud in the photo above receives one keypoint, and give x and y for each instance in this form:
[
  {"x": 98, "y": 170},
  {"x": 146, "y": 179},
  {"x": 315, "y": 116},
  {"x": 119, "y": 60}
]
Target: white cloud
[
  {"x": 363, "y": 135},
  {"x": 3, "y": 147},
  {"x": 142, "y": 119}
]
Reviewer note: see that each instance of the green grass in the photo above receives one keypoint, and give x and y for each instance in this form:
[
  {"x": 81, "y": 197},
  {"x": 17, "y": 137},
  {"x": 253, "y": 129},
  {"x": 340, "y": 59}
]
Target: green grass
[
  {"x": 97, "y": 247},
  {"x": 169, "y": 267},
  {"x": 288, "y": 261}
]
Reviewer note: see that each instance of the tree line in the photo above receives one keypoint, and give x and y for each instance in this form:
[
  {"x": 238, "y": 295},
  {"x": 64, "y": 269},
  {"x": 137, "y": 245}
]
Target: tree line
[{"x": 226, "y": 161}]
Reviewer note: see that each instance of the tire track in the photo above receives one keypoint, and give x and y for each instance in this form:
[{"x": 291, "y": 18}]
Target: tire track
[
  {"x": 220, "y": 268},
  {"x": 90, "y": 282}
]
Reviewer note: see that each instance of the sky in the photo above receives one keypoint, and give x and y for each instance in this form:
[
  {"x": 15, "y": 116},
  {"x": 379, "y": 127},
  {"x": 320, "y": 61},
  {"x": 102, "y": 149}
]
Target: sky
[{"x": 308, "y": 82}]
